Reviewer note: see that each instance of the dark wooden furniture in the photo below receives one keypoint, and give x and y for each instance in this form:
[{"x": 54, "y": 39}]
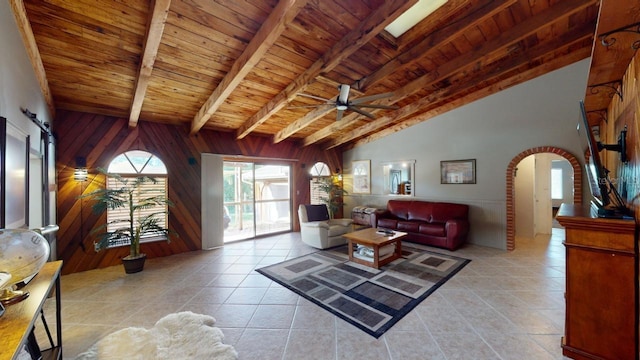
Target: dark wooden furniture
[
  {"x": 601, "y": 285},
  {"x": 371, "y": 238},
  {"x": 17, "y": 323}
]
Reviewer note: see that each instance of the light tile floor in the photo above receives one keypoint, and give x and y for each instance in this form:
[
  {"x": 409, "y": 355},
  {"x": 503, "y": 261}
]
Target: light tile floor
[{"x": 503, "y": 305}]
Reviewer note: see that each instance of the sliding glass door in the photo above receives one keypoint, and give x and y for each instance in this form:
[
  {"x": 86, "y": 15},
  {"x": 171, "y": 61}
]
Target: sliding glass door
[{"x": 257, "y": 199}]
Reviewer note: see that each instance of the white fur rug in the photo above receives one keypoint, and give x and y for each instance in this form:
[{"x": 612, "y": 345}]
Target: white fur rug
[{"x": 183, "y": 335}]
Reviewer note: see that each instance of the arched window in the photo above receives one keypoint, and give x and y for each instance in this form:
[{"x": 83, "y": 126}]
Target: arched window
[
  {"x": 132, "y": 164},
  {"x": 319, "y": 173},
  {"x": 320, "y": 169}
]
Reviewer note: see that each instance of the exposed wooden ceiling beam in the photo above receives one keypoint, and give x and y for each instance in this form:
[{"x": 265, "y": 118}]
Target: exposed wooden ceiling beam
[
  {"x": 155, "y": 29},
  {"x": 478, "y": 13},
  {"x": 325, "y": 80},
  {"x": 429, "y": 44},
  {"x": 271, "y": 29},
  {"x": 489, "y": 72},
  {"x": 479, "y": 55},
  {"x": 302, "y": 122},
  {"x": 355, "y": 39},
  {"x": 26, "y": 32}
]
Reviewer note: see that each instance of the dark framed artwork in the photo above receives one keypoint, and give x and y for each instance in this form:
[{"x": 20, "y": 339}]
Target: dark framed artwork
[{"x": 458, "y": 171}]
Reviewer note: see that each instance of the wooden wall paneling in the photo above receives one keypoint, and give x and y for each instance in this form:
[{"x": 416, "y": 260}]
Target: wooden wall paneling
[
  {"x": 623, "y": 112},
  {"x": 100, "y": 138}
]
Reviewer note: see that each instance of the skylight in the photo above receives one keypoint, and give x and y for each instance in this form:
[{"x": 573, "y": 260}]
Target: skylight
[{"x": 414, "y": 15}]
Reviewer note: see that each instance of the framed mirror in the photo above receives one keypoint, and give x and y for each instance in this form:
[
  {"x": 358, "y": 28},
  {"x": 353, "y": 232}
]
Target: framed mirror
[{"x": 399, "y": 178}]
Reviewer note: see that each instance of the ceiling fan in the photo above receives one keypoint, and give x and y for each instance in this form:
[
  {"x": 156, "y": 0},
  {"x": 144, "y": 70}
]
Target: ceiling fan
[{"x": 343, "y": 103}]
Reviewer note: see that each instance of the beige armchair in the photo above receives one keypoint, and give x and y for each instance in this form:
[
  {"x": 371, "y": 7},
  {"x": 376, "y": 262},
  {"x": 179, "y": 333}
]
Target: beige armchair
[{"x": 317, "y": 230}]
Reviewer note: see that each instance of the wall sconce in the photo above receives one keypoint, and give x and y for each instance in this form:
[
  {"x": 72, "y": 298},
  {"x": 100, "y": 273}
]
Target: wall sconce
[
  {"x": 80, "y": 173},
  {"x": 338, "y": 175}
]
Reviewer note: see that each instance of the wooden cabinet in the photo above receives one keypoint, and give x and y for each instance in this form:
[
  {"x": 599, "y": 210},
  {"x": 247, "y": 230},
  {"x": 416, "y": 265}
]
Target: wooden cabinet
[{"x": 601, "y": 286}]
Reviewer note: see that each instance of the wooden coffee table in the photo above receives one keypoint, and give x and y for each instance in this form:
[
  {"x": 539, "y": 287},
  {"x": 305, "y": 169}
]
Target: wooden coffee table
[{"x": 371, "y": 238}]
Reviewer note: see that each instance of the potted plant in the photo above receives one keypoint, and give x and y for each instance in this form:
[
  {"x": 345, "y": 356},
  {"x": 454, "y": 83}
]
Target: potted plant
[
  {"x": 334, "y": 190},
  {"x": 131, "y": 195}
]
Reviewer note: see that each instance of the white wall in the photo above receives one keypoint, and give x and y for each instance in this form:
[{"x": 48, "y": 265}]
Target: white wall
[
  {"x": 18, "y": 84},
  {"x": 493, "y": 130},
  {"x": 19, "y": 89}
]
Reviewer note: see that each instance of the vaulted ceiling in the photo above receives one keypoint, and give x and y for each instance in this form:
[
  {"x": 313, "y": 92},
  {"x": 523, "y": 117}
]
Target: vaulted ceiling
[{"x": 255, "y": 66}]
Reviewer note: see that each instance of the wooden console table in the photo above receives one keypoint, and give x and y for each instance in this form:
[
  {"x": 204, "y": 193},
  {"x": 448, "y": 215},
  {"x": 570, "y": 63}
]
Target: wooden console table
[
  {"x": 17, "y": 323},
  {"x": 601, "y": 285}
]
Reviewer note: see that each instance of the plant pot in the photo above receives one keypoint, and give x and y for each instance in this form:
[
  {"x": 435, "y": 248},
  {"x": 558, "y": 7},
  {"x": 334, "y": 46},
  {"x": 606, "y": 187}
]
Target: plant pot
[{"x": 133, "y": 265}]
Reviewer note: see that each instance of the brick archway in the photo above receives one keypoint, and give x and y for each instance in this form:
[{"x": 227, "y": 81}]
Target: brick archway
[{"x": 511, "y": 212}]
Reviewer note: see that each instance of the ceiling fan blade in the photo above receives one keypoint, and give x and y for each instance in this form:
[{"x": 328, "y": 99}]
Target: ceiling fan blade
[
  {"x": 315, "y": 97},
  {"x": 370, "y": 98},
  {"x": 362, "y": 112},
  {"x": 339, "y": 115},
  {"x": 376, "y": 106},
  {"x": 343, "y": 98}
]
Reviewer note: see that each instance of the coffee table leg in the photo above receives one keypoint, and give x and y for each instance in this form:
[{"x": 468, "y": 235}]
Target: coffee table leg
[
  {"x": 350, "y": 250},
  {"x": 376, "y": 256}
]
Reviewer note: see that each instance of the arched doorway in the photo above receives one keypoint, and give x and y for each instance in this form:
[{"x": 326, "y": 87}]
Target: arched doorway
[{"x": 511, "y": 215}]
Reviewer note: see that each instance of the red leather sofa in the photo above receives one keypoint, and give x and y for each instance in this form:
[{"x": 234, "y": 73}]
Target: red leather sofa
[{"x": 439, "y": 224}]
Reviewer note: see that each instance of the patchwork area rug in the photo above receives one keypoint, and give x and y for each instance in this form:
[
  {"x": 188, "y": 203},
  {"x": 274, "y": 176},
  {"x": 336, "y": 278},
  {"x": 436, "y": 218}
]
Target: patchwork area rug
[
  {"x": 183, "y": 335},
  {"x": 373, "y": 300}
]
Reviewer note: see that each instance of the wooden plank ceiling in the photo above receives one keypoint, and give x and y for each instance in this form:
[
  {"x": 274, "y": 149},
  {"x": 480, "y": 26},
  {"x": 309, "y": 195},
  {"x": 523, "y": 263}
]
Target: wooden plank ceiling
[
  {"x": 618, "y": 37},
  {"x": 246, "y": 66}
]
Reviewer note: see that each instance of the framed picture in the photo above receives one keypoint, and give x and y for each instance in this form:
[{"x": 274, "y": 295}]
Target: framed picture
[
  {"x": 361, "y": 176},
  {"x": 458, "y": 171}
]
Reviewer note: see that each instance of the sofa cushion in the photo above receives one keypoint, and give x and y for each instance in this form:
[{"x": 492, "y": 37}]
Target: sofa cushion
[
  {"x": 399, "y": 208},
  {"x": 317, "y": 212},
  {"x": 337, "y": 230},
  {"x": 442, "y": 212},
  {"x": 434, "y": 229},
  {"x": 420, "y": 211},
  {"x": 408, "y": 226},
  {"x": 388, "y": 223}
]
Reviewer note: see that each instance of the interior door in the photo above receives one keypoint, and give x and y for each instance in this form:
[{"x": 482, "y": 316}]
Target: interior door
[{"x": 543, "y": 212}]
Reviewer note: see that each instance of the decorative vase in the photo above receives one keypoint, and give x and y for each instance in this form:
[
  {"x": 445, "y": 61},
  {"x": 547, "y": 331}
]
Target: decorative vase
[
  {"x": 134, "y": 265},
  {"x": 22, "y": 254}
]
